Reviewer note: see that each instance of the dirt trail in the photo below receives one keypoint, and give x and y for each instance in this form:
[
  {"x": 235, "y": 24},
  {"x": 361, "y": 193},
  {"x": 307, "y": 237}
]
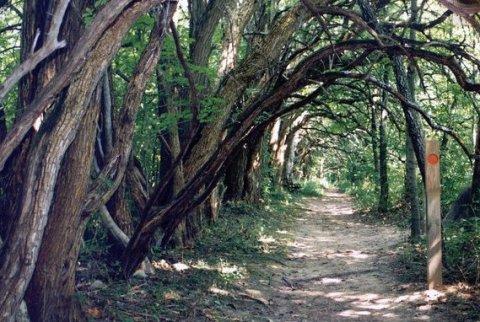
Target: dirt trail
[{"x": 342, "y": 270}]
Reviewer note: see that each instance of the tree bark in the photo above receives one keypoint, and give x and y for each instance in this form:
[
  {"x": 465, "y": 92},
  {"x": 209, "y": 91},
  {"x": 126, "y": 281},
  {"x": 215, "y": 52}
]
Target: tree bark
[
  {"x": 119, "y": 209},
  {"x": 51, "y": 292},
  {"x": 383, "y": 155},
  {"x": 37, "y": 17},
  {"x": 235, "y": 174},
  {"x": 475, "y": 199},
  {"x": 3, "y": 123},
  {"x": 383, "y": 164},
  {"x": 36, "y": 24},
  {"x": 411, "y": 177},
  {"x": 235, "y": 17},
  {"x": 253, "y": 174},
  {"x": 137, "y": 183},
  {"x": 171, "y": 149},
  {"x": 263, "y": 57},
  {"x": 411, "y": 191},
  {"x": 288, "y": 144},
  {"x": 113, "y": 172},
  {"x": 278, "y": 144},
  {"x": 415, "y": 140},
  {"x": 414, "y": 128},
  {"x": 374, "y": 142},
  {"x": 103, "y": 20},
  {"x": 50, "y": 44},
  {"x": 290, "y": 153},
  {"x": 44, "y": 164},
  {"x": 203, "y": 23},
  {"x": 243, "y": 173}
]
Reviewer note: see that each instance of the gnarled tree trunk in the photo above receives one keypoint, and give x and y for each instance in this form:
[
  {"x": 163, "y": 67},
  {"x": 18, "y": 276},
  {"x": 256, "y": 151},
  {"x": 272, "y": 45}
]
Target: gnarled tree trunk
[
  {"x": 51, "y": 292},
  {"x": 45, "y": 161},
  {"x": 235, "y": 174},
  {"x": 252, "y": 191},
  {"x": 383, "y": 164}
]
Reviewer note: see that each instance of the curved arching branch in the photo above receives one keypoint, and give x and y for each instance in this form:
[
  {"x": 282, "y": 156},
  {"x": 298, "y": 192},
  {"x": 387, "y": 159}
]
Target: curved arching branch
[
  {"x": 51, "y": 45},
  {"x": 103, "y": 19},
  {"x": 426, "y": 116},
  {"x": 312, "y": 70},
  {"x": 464, "y": 9},
  {"x": 112, "y": 174}
]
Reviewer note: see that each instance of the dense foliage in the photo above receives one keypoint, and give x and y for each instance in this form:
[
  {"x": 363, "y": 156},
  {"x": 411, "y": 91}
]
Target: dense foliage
[{"x": 144, "y": 118}]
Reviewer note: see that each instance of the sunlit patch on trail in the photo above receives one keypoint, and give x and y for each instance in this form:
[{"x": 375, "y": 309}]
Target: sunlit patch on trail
[
  {"x": 354, "y": 314},
  {"x": 349, "y": 254},
  {"x": 267, "y": 239},
  {"x": 327, "y": 281},
  {"x": 339, "y": 269},
  {"x": 215, "y": 290},
  {"x": 356, "y": 305},
  {"x": 331, "y": 208}
]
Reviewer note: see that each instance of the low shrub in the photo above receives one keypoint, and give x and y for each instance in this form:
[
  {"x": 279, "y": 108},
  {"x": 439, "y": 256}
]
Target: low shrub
[
  {"x": 462, "y": 250},
  {"x": 312, "y": 188}
]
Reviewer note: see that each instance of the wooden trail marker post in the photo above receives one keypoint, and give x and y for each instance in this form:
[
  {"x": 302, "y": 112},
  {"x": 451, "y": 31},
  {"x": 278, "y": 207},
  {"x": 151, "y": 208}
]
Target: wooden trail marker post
[{"x": 434, "y": 219}]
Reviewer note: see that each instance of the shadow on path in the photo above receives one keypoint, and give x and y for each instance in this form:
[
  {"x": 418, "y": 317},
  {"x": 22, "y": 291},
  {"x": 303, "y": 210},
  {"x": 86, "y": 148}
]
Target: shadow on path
[{"x": 341, "y": 270}]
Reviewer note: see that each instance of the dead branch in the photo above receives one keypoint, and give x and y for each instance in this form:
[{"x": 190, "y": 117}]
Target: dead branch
[
  {"x": 103, "y": 19},
  {"x": 112, "y": 226},
  {"x": 51, "y": 44},
  {"x": 10, "y": 28}
]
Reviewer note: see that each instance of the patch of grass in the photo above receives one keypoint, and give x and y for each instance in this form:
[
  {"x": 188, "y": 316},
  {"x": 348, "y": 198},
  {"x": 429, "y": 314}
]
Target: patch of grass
[
  {"x": 312, "y": 188},
  {"x": 412, "y": 262},
  {"x": 167, "y": 296},
  {"x": 242, "y": 238},
  {"x": 245, "y": 232}
]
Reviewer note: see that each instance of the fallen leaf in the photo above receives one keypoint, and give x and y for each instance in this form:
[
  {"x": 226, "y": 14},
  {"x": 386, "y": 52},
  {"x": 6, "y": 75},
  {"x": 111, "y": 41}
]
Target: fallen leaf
[{"x": 94, "y": 312}]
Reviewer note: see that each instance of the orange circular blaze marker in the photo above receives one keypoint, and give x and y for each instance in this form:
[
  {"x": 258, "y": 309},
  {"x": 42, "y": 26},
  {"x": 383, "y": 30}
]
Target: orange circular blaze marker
[{"x": 433, "y": 159}]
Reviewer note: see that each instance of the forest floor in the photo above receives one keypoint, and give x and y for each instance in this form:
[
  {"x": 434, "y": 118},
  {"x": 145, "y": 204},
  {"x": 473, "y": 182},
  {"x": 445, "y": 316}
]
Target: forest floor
[{"x": 335, "y": 267}]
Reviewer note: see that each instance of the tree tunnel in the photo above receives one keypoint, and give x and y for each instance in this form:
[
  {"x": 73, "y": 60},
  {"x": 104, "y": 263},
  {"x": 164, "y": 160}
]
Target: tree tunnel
[{"x": 154, "y": 113}]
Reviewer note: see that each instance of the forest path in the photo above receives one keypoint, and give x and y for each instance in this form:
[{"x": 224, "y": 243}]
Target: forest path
[{"x": 340, "y": 269}]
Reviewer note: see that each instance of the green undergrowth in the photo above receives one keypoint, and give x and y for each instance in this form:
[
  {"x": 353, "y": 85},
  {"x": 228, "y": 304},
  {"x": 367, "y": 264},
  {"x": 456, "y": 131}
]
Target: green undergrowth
[
  {"x": 460, "y": 269},
  {"x": 462, "y": 250},
  {"x": 312, "y": 188},
  {"x": 394, "y": 216},
  {"x": 461, "y": 247},
  {"x": 412, "y": 262},
  {"x": 203, "y": 283},
  {"x": 244, "y": 232}
]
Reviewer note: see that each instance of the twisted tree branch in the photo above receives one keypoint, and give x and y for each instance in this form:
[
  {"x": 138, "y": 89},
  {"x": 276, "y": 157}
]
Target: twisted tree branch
[{"x": 51, "y": 44}]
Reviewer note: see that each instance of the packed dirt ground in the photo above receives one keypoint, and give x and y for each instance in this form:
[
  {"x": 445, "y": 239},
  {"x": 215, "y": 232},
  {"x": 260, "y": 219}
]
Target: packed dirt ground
[
  {"x": 336, "y": 268},
  {"x": 340, "y": 269}
]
